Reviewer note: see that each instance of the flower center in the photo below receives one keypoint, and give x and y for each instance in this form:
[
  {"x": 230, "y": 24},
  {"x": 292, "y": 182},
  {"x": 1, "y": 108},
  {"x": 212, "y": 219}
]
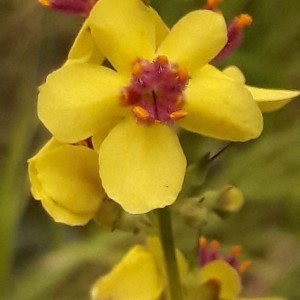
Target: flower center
[
  {"x": 210, "y": 252},
  {"x": 156, "y": 91}
]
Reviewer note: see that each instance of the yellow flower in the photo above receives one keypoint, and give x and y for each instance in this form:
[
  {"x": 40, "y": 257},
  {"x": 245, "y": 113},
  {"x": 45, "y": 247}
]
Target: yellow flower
[
  {"x": 65, "y": 178},
  {"x": 159, "y": 78},
  {"x": 219, "y": 281},
  {"x": 134, "y": 278},
  {"x": 141, "y": 276},
  {"x": 268, "y": 100}
]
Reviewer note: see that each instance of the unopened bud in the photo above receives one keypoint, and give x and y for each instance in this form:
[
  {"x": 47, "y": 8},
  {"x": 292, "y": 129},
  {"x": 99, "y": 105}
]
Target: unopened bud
[
  {"x": 75, "y": 7},
  {"x": 231, "y": 199},
  {"x": 112, "y": 215},
  {"x": 194, "y": 213}
]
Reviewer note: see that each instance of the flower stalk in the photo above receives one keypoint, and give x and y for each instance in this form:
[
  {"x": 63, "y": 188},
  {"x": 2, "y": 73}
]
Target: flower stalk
[{"x": 168, "y": 247}]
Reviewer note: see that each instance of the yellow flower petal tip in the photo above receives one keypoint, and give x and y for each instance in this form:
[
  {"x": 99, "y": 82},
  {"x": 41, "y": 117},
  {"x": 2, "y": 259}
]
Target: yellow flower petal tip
[
  {"x": 186, "y": 48},
  {"x": 268, "y": 100}
]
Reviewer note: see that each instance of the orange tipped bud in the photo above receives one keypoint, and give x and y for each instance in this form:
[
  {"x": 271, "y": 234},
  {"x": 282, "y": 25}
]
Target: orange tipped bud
[
  {"x": 214, "y": 244},
  {"x": 213, "y": 4},
  {"x": 202, "y": 242},
  {"x": 236, "y": 250},
  {"x": 45, "y": 2},
  {"x": 242, "y": 21},
  {"x": 75, "y": 7},
  {"x": 244, "y": 266}
]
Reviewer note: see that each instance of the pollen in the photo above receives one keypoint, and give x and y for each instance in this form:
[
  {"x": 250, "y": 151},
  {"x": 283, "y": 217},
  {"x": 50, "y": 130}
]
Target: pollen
[
  {"x": 45, "y": 2},
  {"x": 162, "y": 59},
  {"x": 140, "y": 113},
  {"x": 202, "y": 242},
  {"x": 214, "y": 245},
  {"x": 242, "y": 21},
  {"x": 236, "y": 251},
  {"x": 177, "y": 115},
  {"x": 183, "y": 74},
  {"x": 244, "y": 266},
  {"x": 136, "y": 69},
  {"x": 156, "y": 91},
  {"x": 209, "y": 252},
  {"x": 213, "y": 4}
]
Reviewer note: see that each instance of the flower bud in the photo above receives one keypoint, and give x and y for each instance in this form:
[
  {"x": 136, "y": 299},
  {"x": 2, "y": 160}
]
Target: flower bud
[
  {"x": 75, "y": 7},
  {"x": 227, "y": 200}
]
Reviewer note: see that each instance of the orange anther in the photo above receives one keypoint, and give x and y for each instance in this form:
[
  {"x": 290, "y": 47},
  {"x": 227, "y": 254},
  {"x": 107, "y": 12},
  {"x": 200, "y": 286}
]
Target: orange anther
[
  {"x": 136, "y": 69},
  {"x": 162, "y": 59},
  {"x": 125, "y": 98},
  {"x": 202, "y": 242},
  {"x": 177, "y": 115},
  {"x": 179, "y": 101},
  {"x": 244, "y": 266},
  {"x": 140, "y": 112},
  {"x": 214, "y": 245},
  {"x": 213, "y": 4},
  {"x": 242, "y": 21},
  {"x": 45, "y": 2},
  {"x": 236, "y": 250},
  {"x": 183, "y": 74}
]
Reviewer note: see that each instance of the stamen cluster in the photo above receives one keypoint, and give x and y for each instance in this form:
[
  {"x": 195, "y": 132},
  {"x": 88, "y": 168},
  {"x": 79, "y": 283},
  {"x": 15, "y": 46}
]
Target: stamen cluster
[
  {"x": 209, "y": 252},
  {"x": 156, "y": 91}
]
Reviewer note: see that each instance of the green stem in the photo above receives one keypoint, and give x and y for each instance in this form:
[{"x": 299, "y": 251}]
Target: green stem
[
  {"x": 167, "y": 243},
  {"x": 14, "y": 187}
]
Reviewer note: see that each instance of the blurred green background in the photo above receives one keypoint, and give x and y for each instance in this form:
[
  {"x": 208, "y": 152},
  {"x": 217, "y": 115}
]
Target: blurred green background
[{"x": 40, "y": 259}]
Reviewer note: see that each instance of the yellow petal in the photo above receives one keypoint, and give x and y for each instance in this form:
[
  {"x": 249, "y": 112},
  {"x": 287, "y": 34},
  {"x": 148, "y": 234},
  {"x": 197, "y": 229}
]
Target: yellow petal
[
  {"x": 235, "y": 73},
  {"x": 134, "y": 278},
  {"x": 221, "y": 108},
  {"x": 264, "y": 298},
  {"x": 100, "y": 135},
  {"x": 124, "y": 31},
  {"x": 226, "y": 276},
  {"x": 66, "y": 180},
  {"x": 78, "y": 100},
  {"x": 142, "y": 167},
  {"x": 84, "y": 48},
  {"x": 161, "y": 28},
  {"x": 271, "y": 99},
  {"x": 195, "y": 39},
  {"x": 267, "y": 99}
]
